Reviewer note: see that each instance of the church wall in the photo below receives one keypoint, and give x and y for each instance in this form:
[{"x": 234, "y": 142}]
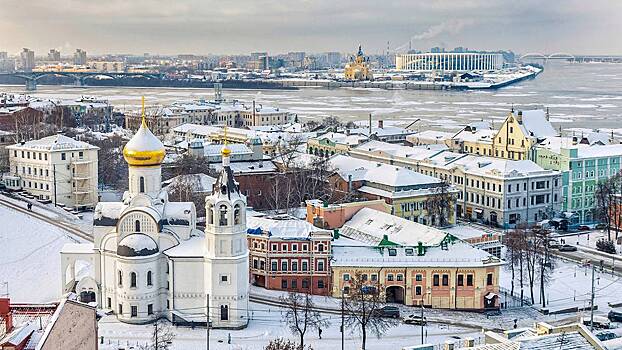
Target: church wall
[{"x": 186, "y": 293}]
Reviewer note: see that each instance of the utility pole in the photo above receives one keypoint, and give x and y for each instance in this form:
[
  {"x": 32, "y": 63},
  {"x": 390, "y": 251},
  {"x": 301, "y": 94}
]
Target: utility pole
[
  {"x": 592, "y": 304},
  {"x": 422, "y": 322},
  {"x": 207, "y": 318},
  {"x": 54, "y": 176},
  {"x": 342, "y": 317}
]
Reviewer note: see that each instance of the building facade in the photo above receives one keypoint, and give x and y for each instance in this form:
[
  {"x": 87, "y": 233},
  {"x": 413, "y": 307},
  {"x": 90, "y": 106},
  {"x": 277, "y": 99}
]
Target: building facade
[
  {"x": 289, "y": 254},
  {"x": 358, "y": 68},
  {"x": 449, "y": 61},
  {"x": 55, "y": 168}
]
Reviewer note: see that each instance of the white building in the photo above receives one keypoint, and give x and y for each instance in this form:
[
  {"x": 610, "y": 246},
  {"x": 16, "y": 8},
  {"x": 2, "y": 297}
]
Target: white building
[
  {"x": 56, "y": 168},
  {"x": 149, "y": 259},
  {"x": 449, "y": 61}
]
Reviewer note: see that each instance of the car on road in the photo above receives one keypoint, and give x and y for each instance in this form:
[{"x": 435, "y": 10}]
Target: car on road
[
  {"x": 567, "y": 248},
  {"x": 615, "y": 316},
  {"x": 415, "y": 319},
  {"x": 600, "y": 322},
  {"x": 553, "y": 244},
  {"x": 606, "y": 335},
  {"x": 388, "y": 311}
]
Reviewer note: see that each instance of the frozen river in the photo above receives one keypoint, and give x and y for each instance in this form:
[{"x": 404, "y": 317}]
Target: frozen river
[{"x": 578, "y": 95}]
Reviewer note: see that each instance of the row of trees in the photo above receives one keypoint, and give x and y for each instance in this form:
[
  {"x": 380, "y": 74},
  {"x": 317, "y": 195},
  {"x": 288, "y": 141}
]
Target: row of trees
[{"x": 529, "y": 261}]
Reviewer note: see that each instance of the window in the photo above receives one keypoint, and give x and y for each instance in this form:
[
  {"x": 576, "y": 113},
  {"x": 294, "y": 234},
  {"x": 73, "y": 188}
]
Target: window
[
  {"x": 320, "y": 247},
  {"x": 224, "y": 278},
  {"x": 418, "y": 290},
  {"x": 320, "y": 265},
  {"x": 392, "y": 252},
  {"x": 374, "y": 277},
  {"x": 137, "y": 226},
  {"x": 274, "y": 247},
  {"x": 305, "y": 284},
  {"x": 461, "y": 280},
  {"x": 223, "y": 215},
  {"x": 63, "y": 156},
  {"x": 224, "y": 312},
  {"x": 284, "y": 265},
  {"x": 305, "y": 266},
  {"x": 390, "y": 277},
  {"x": 489, "y": 279},
  {"x": 284, "y": 247},
  {"x": 120, "y": 278},
  {"x": 133, "y": 279},
  {"x": 409, "y": 251},
  {"x": 294, "y": 265},
  {"x": 149, "y": 306},
  {"x": 320, "y": 284},
  {"x": 294, "y": 247},
  {"x": 364, "y": 277},
  {"x": 294, "y": 284},
  {"x": 283, "y": 284},
  {"x": 149, "y": 282},
  {"x": 435, "y": 281},
  {"x": 80, "y": 154},
  {"x": 109, "y": 303},
  {"x": 400, "y": 277},
  {"x": 120, "y": 309},
  {"x": 142, "y": 185},
  {"x": 134, "y": 309},
  {"x": 445, "y": 280},
  {"x": 469, "y": 280},
  {"x": 274, "y": 265},
  {"x": 418, "y": 277},
  {"x": 346, "y": 276}
]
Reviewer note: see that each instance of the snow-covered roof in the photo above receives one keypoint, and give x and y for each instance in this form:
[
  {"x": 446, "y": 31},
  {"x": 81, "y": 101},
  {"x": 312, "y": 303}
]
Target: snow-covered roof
[
  {"x": 385, "y": 131},
  {"x": 395, "y": 150},
  {"x": 137, "y": 244},
  {"x": 370, "y": 225},
  {"x": 190, "y": 248},
  {"x": 235, "y": 148},
  {"x": 178, "y": 213},
  {"x": 334, "y": 137},
  {"x": 107, "y": 213},
  {"x": 457, "y": 254},
  {"x": 477, "y": 135},
  {"x": 598, "y": 151},
  {"x": 20, "y": 334},
  {"x": 283, "y": 226},
  {"x": 379, "y": 173},
  {"x": 199, "y": 182},
  {"x": 536, "y": 124},
  {"x": 56, "y": 142},
  {"x": 432, "y": 135},
  {"x": 250, "y": 167},
  {"x": 488, "y": 166}
]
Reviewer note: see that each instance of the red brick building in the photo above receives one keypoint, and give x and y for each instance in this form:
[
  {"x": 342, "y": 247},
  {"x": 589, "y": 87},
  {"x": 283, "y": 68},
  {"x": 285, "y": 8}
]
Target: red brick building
[{"x": 289, "y": 254}]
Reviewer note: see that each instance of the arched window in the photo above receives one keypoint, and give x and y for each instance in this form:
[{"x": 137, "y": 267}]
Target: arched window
[
  {"x": 210, "y": 215},
  {"x": 120, "y": 278},
  {"x": 149, "y": 282},
  {"x": 133, "y": 279},
  {"x": 142, "y": 184},
  {"x": 236, "y": 215},
  {"x": 223, "y": 215},
  {"x": 224, "y": 312},
  {"x": 137, "y": 226}
]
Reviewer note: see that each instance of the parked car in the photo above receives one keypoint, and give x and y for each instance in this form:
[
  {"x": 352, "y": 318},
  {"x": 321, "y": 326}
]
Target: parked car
[
  {"x": 553, "y": 244},
  {"x": 389, "y": 312},
  {"x": 567, "y": 248},
  {"x": 415, "y": 319},
  {"x": 584, "y": 228},
  {"x": 489, "y": 313},
  {"x": 602, "y": 336},
  {"x": 600, "y": 226},
  {"x": 615, "y": 316}
]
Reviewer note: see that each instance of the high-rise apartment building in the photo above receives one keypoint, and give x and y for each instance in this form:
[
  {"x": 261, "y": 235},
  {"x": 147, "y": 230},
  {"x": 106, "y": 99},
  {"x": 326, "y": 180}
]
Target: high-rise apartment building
[
  {"x": 54, "y": 55},
  {"x": 27, "y": 59},
  {"x": 79, "y": 57}
]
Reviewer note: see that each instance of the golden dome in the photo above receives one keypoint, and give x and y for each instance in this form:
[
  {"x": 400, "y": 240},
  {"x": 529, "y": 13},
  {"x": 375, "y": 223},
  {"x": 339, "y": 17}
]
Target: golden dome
[
  {"x": 144, "y": 148},
  {"x": 226, "y": 152}
]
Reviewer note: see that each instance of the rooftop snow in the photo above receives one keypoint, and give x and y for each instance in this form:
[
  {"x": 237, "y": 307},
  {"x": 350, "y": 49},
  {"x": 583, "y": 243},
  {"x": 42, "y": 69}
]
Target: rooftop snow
[
  {"x": 55, "y": 143},
  {"x": 537, "y": 125},
  {"x": 370, "y": 225},
  {"x": 287, "y": 227}
]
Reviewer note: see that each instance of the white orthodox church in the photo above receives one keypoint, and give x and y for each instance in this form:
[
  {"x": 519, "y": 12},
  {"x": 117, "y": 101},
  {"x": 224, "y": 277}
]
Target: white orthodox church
[{"x": 148, "y": 259}]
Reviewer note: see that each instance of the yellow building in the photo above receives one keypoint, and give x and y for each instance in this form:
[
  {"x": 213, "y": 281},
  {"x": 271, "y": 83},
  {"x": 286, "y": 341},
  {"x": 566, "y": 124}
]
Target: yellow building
[
  {"x": 358, "y": 69},
  {"x": 514, "y": 139},
  {"x": 415, "y": 264}
]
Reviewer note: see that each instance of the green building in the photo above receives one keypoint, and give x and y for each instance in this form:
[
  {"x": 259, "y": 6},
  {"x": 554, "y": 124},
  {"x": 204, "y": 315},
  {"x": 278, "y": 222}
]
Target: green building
[{"x": 582, "y": 167}]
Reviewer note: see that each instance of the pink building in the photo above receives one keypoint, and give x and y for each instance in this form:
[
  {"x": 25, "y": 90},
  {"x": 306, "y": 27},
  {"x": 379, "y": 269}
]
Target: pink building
[{"x": 332, "y": 216}]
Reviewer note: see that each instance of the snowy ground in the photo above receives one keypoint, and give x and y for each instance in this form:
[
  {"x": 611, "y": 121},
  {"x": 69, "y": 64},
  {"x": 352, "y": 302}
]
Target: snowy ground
[
  {"x": 266, "y": 325},
  {"x": 30, "y": 257}
]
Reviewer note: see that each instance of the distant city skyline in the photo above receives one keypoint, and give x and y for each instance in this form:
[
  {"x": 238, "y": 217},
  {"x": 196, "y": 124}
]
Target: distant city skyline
[{"x": 240, "y": 27}]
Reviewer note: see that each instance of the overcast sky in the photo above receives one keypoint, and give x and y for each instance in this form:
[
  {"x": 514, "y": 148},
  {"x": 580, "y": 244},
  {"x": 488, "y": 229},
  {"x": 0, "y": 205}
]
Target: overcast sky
[{"x": 276, "y": 26}]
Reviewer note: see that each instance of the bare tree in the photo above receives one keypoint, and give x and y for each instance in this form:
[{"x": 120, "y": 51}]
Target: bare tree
[
  {"x": 188, "y": 188},
  {"x": 438, "y": 204},
  {"x": 363, "y": 305},
  {"x": 301, "y": 315},
  {"x": 546, "y": 264},
  {"x": 162, "y": 336},
  {"x": 284, "y": 344},
  {"x": 516, "y": 242},
  {"x": 188, "y": 164}
]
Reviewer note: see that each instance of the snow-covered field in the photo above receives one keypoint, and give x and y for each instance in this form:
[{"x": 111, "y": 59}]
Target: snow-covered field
[{"x": 30, "y": 257}]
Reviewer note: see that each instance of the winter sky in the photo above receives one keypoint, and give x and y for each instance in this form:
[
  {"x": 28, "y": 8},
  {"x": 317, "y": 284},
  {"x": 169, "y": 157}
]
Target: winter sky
[{"x": 242, "y": 26}]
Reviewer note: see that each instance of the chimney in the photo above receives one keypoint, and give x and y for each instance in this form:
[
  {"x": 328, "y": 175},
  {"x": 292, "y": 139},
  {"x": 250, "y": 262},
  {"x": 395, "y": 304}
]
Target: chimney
[{"x": 380, "y": 124}]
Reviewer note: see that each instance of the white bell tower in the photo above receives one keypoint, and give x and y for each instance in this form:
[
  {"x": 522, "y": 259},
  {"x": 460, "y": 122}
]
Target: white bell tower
[{"x": 226, "y": 251}]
